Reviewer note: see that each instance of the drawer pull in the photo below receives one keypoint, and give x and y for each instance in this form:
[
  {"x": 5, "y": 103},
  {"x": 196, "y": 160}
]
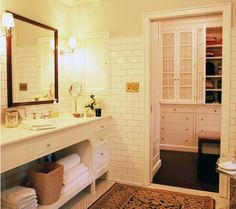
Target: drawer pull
[
  {"x": 186, "y": 140},
  {"x": 174, "y": 109},
  {"x": 48, "y": 145},
  {"x": 186, "y": 118},
  {"x": 186, "y": 129},
  {"x": 162, "y": 138},
  {"x": 162, "y": 117},
  {"x": 162, "y": 128},
  {"x": 101, "y": 126},
  {"x": 101, "y": 153},
  {"x": 101, "y": 139},
  {"x": 202, "y": 119},
  {"x": 215, "y": 110}
]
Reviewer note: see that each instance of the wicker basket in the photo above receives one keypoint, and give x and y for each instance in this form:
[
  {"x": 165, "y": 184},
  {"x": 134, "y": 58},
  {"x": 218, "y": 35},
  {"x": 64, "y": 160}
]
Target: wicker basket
[{"x": 46, "y": 179}]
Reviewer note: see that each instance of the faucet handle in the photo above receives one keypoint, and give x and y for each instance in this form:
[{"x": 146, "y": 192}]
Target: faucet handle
[
  {"x": 50, "y": 114},
  {"x": 34, "y": 115}
]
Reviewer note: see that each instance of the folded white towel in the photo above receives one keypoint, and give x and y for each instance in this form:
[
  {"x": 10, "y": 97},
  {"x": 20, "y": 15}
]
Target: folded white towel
[
  {"x": 69, "y": 161},
  {"x": 22, "y": 204},
  {"x": 80, "y": 180},
  {"x": 18, "y": 195},
  {"x": 29, "y": 205},
  {"x": 74, "y": 173}
]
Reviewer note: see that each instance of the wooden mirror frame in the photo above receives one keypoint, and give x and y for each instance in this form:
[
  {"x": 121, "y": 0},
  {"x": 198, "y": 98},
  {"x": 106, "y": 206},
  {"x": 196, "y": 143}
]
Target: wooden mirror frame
[{"x": 11, "y": 103}]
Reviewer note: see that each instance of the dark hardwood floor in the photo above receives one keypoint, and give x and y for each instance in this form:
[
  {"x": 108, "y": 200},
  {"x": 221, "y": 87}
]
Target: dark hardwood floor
[{"x": 188, "y": 170}]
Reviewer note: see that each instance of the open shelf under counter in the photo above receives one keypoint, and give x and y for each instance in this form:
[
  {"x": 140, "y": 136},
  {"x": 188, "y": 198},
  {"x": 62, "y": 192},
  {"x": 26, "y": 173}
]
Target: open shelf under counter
[
  {"x": 213, "y": 76},
  {"x": 213, "y": 45},
  {"x": 68, "y": 195}
]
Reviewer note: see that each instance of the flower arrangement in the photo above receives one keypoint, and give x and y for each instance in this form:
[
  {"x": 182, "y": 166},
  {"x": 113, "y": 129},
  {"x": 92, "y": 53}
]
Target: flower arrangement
[{"x": 91, "y": 104}]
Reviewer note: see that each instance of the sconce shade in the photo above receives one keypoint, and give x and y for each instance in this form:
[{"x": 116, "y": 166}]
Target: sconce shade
[
  {"x": 7, "y": 20},
  {"x": 72, "y": 42}
]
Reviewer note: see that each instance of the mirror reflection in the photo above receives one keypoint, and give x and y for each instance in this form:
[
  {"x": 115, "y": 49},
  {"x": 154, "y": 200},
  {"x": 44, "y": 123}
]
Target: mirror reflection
[{"x": 33, "y": 67}]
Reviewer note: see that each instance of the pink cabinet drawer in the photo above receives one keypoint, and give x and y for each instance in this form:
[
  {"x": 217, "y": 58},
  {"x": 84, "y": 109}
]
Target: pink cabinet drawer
[
  {"x": 208, "y": 119},
  {"x": 177, "y": 108},
  {"x": 208, "y": 110},
  {"x": 203, "y": 127},
  {"x": 177, "y": 139},
  {"x": 177, "y": 128},
  {"x": 177, "y": 118}
]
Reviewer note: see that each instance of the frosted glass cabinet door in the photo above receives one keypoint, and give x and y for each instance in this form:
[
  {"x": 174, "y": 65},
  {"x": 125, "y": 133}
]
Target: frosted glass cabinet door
[
  {"x": 95, "y": 60},
  {"x": 168, "y": 63},
  {"x": 185, "y": 84}
]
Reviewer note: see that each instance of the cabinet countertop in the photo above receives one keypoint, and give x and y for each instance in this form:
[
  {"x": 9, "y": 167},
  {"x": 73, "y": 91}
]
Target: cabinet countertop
[{"x": 20, "y": 134}]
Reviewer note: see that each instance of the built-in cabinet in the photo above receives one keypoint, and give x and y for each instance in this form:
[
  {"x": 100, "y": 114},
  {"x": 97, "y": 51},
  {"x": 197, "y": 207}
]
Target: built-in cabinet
[
  {"x": 191, "y": 61},
  {"x": 87, "y": 137},
  {"x": 95, "y": 63},
  {"x": 177, "y": 64},
  {"x": 181, "y": 124}
]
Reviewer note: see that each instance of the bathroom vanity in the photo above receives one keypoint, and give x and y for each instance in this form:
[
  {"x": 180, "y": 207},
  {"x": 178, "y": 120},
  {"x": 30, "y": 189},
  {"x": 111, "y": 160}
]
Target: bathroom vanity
[{"x": 86, "y": 136}]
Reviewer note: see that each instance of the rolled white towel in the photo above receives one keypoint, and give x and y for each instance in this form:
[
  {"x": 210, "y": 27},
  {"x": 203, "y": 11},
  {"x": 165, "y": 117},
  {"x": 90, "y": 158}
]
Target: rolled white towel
[
  {"x": 69, "y": 161},
  {"x": 18, "y": 195},
  {"x": 22, "y": 204},
  {"x": 74, "y": 173},
  {"x": 33, "y": 205},
  {"x": 80, "y": 180}
]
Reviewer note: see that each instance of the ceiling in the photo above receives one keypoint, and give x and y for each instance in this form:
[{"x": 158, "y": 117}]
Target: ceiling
[{"x": 76, "y": 2}]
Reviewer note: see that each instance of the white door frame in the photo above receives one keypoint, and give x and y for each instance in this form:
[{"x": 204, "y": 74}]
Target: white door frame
[{"x": 225, "y": 10}]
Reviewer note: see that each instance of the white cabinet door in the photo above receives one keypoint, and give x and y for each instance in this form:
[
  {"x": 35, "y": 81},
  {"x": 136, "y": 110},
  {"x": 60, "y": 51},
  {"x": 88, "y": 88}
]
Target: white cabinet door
[
  {"x": 95, "y": 59},
  {"x": 177, "y": 52}
]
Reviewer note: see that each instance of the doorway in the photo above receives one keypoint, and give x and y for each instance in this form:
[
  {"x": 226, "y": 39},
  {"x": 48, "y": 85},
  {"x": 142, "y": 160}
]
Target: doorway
[{"x": 225, "y": 10}]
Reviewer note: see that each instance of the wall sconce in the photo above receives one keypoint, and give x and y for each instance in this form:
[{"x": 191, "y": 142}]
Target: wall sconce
[
  {"x": 8, "y": 22},
  {"x": 72, "y": 44}
]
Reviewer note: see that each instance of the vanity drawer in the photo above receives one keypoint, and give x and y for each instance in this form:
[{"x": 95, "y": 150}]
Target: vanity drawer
[
  {"x": 177, "y": 139},
  {"x": 176, "y": 117},
  {"x": 208, "y": 110},
  {"x": 101, "y": 159},
  {"x": 43, "y": 147},
  {"x": 100, "y": 126},
  {"x": 101, "y": 139}
]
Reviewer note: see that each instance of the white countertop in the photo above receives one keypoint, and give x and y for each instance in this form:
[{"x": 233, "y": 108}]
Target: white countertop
[{"x": 18, "y": 134}]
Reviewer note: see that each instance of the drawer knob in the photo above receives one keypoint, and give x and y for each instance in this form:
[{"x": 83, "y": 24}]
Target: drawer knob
[
  {"x": 162, "y": 128},
  {"x": 202, "y": 119},
  {"x": 162, "y": 138},
  {"x": 48, "y": 145},
  {"x": 102, "y": 126},
  {"x": 162, "y": 117},
  {"x": 186, "y": 129},
  {"x": 186, "y": 140},
  {"x": 101, "y": 153},
  {"x": 101, "y": 139},
  {"x": 215, "y": 110},
  {"x": 174, "y": 109},
  {"x": 186, "y": 118}
]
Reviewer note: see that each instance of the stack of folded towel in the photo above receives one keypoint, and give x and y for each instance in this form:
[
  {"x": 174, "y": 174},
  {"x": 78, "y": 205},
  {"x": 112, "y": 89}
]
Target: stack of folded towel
[
  {"x": 39, "y": 124},
  {"x": 75, "y": 172},
  {"x": 19, "y": 198}
]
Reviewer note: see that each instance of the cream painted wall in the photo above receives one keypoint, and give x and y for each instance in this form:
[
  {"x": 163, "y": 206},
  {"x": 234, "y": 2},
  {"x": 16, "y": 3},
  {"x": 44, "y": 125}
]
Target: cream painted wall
[
  {"x": 49, "y": 12},
  {"x": 124, "y": 17}
]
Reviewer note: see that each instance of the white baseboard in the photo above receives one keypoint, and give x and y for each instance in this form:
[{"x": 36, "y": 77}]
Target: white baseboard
[{"x": 156, "y": 167}]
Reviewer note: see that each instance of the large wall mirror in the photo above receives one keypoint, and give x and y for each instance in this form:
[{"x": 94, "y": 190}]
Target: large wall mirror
[{"x": 32, "y": 63}]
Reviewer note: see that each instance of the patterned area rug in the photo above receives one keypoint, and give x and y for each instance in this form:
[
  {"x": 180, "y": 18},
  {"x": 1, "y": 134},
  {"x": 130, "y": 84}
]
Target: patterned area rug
[{"x": 121, "y": 196}]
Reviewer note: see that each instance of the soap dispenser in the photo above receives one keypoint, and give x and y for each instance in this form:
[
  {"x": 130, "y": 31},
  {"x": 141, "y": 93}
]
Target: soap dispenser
[{"x": 55, "y": 109}]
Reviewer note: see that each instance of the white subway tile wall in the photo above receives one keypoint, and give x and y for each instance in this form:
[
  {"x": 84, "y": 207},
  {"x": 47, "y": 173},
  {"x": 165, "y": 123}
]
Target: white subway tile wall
[
  {"x": 127, "y": 109},
  {"x": 232, "y": 134}
]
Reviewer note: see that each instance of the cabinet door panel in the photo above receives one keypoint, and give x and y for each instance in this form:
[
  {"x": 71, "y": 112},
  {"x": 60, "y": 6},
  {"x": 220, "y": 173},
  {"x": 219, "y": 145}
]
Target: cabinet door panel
[
  {"x": 95, "y": 63},
  {"x": 208, "y": 119}
]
